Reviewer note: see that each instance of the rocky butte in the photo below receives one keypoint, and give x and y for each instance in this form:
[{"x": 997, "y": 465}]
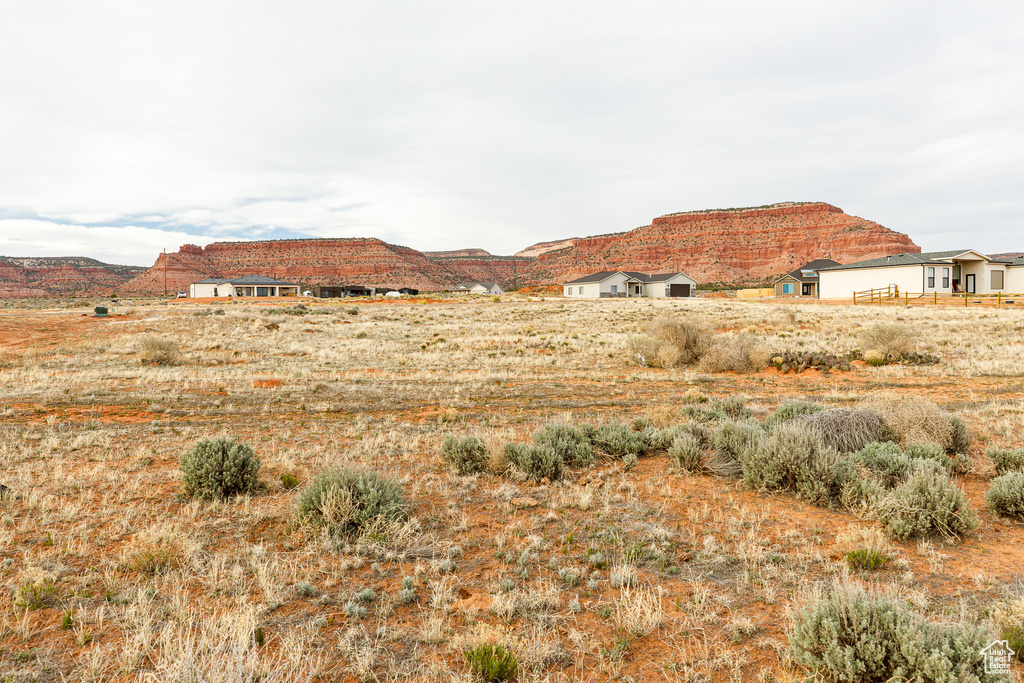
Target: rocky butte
[
  {"x": 61, "y": 276},
  {"x": 728, "y": 245},
  {"x": 722, "y": 245}
]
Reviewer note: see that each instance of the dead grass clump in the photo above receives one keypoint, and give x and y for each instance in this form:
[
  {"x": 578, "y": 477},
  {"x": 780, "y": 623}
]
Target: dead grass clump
[
  {"x": 743, "y": 353},
  {"x": 160, "y": 351},
  {"x": 845, "y": 429},
  {"x": 892, "y": 340},
  {"x": 638, "y": 610},
  {"x": 669, "y": 342},
  {"x": 911, "y": 419}
]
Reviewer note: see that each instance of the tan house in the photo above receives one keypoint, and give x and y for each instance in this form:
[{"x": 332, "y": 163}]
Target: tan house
[
  {"x": 242, "y": 286},
  {"x": 803, "y": 281}
]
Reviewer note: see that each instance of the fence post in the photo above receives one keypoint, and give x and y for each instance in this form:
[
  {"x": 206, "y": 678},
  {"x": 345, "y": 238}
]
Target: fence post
[
  {"x": 935, "y": 298},
  {"x": 855, "y": 298},
  {"x": 965, "y": 299},
  {"x": 999, "y": 299},
  {"x": 879, "y": 297},
  {"x": 906, "y": 298}
]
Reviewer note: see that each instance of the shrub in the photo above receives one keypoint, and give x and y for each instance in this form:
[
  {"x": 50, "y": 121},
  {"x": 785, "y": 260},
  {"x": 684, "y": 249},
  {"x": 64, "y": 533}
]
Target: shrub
[
  {"x": 219, "y": 469},
  {"x": 567, "y": 441},
  {"x": 465, "y": 455},
  {"x": 731, "y": 443},
  {"x": 733, "y": 407},
  {"x": 865, "y": 558},
  {"x": 347, "y": 502},
  {"x": 794, "y": 409},
  {"x": 1006, "y": 461},
  {"x": 743, "y": 353},
  {"x": 961, "y": 439},
  {"x": 850, "y": 635},
  {"x": 491, "y": 662},
  {"x": 160, "y": 351},
  {"x": 686, "y": 452},
  {"x": 535, "y": 462},
  {"x": 911, "y": 419},
  {"x": 892, "y": 340},
  {"x": 792, "y": 458},
  {"x": 289, "y": 480},
  {"x": 1006, "y": 495},
  {"x": 959, "y": 464},
  {"x": 844, "y": 429},
  {"x": 885, "y": 460},
  {"x": 618, "y": 439},
  {"x": 927, "y": 503}
]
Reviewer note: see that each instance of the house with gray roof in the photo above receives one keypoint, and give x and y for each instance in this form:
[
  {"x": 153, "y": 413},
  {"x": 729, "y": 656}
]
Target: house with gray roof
[
  {"x": 242, "y": 286},
  {"x": 961, "y": 271},
  {"x": 803, "y": 281},
  {"x": 621, "y": 283}
]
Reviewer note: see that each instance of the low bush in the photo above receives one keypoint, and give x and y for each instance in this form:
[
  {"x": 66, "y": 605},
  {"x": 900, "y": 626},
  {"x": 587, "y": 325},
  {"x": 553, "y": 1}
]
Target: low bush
[
  {"x": 865, "y": 558},
  {"x": 534, "y": 461},
  {"x": 348, "y": 502},
  {"x": 911, "y": 419},
  {"x": 844, "y": 429},
  {"x": 892, "y": 340},
  {"x": 961, "y": 439},
  {"x": 850, "y": 635},
  {"x": 792, "y": 410},
  {"x": 160, "y": 351},
  {"x": 731, "y": 443},
  {"x": 1006, "y": 495},
  {"x": 567, "y": 441},
  {"x": 465, "y": 455},
  {"x": 220, "y": 468},
  {"x": 686, "y": 452},
  {"x": 743, "y": 353},
  {"x": 792, "y": 458},
  {"x": 1006, "y": 460},
  {"x": 617, "y": 439},
  {"x": 669, "y": 342},
  {"x": 733, "y": 407},
  {"x": 491, "y": 663},
  {"x": 925, "y": 504},
  {"x": 885, "y": 460}
]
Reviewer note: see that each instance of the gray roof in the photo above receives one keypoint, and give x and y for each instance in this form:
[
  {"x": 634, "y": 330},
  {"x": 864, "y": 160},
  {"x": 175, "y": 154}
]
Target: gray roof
[
  {"x": 471, "y": 285},
  {"x": 905, "y": 259},
  {"x": 639, "y": 277},
  {"x": 815, "y": 265},
  {"x": 245, "y": 280}
]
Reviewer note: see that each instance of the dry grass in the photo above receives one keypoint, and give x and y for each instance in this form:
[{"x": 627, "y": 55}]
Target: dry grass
[{"x": 160, "y": 588}]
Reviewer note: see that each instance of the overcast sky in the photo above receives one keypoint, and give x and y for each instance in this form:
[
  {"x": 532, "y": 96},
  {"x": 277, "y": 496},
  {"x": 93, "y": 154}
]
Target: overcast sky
[{"x": 129, "y": 127}]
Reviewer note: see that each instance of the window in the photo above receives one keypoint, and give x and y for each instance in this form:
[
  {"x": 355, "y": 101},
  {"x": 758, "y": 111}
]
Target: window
[
  {"x": 787, "y": 288},
  {"x": 238, "y": 291},
  {"x": 614, "y": 289},
  {"x": 945, "y": 278},
  {"x": 581, "y": 289},
  {"x": 997, "y": 279},
  {"x": 931, "y": 277}
]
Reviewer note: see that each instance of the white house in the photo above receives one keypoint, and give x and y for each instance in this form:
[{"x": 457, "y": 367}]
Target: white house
[
  {"x": 478, "y": 288},
  {"x": 243, "y": 286},
  {"x": 620, "y": 283},
  {"x": 944, "y": 272}
]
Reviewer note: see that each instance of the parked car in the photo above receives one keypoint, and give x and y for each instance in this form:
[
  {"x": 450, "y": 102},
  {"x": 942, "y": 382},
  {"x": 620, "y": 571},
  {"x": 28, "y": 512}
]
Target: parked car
[{"x": 182, "y": 295}]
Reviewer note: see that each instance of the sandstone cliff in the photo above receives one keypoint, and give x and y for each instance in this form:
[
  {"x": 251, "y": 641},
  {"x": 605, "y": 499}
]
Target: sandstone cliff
[
  {"x": 729, "y": 245},
  {"x": 61, "y": 276}
]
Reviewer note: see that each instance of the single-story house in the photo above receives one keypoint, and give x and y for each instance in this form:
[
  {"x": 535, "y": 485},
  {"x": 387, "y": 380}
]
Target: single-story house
[
  {"x": 245, "y": 285},
  {"x": 620, "y": 283},
  {"x": 478, "y": 288},
  {"x": 943, "y": 272},
  {"x": 803, "y": 281}
]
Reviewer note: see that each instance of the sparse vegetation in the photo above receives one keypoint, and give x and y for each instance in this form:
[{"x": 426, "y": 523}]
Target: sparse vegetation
[
  {"x": 160, "y": 351},
  {"x": 465, "y": 455},
  {"x": 219, "y": 468}
]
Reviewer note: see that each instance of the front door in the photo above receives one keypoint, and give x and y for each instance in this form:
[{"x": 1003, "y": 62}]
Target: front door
[
  {"x": 805, "y": 290},
  {"x": 969, "y": 281}
]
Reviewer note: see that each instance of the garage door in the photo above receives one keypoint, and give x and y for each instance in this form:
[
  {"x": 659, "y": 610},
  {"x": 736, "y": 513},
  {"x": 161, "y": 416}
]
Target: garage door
[{"x": 679, "y": 290}]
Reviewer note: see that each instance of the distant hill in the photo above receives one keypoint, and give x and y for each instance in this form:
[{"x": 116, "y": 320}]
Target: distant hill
[
  {"x": 61, "y": 276},
  {"x": 714, "y": 245}
]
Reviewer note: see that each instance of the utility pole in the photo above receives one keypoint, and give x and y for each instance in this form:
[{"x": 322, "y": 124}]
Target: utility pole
[{"x": 165, "y": 271}]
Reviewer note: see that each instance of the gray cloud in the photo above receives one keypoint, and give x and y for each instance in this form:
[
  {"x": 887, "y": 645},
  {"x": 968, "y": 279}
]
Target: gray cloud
[{"x": 456, "y": 124}]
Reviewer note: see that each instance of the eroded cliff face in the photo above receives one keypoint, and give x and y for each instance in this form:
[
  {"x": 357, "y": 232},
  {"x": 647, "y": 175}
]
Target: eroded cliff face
[
  {"x": 61, "y": 276},
  {"x": 733, "y": 245}
]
